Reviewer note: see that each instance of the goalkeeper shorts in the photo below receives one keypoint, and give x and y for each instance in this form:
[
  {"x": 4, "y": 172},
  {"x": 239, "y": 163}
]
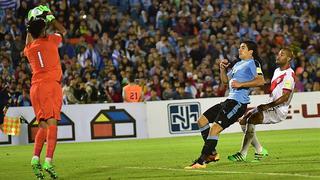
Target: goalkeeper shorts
[{"x": 46, "y": 99}]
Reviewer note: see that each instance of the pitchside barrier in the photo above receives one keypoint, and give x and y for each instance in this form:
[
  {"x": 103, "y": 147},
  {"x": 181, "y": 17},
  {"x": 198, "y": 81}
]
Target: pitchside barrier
[{"x": 94, "y": 122}]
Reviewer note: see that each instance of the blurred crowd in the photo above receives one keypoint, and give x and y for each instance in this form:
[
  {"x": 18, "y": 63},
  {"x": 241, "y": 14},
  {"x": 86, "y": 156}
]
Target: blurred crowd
[{"x": 173, "y": 47}]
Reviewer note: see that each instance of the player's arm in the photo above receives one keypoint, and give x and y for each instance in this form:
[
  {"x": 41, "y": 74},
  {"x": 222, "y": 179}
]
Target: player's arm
[
  {"x": 29, "y": 38},
  {"x": 223, "y": 71},
  {"x": 288, "y": 87},
  {"x": 258, "y": 80},
  {"x": 50, "y": 19},
  {"x": 284, "y": 98},
  {"x": 59, "y": 27}
]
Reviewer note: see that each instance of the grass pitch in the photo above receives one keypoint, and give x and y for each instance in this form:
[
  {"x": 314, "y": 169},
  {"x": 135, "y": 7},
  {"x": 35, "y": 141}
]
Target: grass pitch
[{"x": 293, "y": 154}]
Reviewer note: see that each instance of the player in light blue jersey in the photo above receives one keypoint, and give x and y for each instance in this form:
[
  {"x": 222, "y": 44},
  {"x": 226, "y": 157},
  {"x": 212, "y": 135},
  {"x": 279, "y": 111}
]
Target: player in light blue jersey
[{"x": 245, "y": 74}]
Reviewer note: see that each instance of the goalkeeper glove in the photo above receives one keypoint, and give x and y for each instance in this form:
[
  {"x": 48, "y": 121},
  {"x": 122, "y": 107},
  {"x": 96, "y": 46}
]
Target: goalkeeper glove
[
  {"x": 40, "y": 12},
  {"x": 43, "y": 8},
  {"x": 49, "y": 18}
]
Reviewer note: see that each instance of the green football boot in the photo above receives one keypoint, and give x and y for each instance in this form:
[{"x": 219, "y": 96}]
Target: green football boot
[
  {"x": 50, "y": 170},
  {"x": 259, "y": 156},
  {"x": 237, "y": 157},
  {"x": 36, "y": 167}
]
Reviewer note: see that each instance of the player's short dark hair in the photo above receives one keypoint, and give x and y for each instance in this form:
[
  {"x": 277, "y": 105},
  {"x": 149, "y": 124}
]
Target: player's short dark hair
[
  {"x": 131, "y": 78},
  {"x": 254, "y": 47},
  {"x": 36, "y": 27},
  {"x": 288, "y": 52}
]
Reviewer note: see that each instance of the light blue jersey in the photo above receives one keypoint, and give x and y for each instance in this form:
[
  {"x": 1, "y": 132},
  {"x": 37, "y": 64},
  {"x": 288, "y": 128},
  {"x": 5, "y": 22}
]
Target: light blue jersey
[{"x": 243, "y": 71}]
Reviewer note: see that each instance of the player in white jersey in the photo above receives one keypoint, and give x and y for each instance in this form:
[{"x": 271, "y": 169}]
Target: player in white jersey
[{"x": 275, "y": 111}]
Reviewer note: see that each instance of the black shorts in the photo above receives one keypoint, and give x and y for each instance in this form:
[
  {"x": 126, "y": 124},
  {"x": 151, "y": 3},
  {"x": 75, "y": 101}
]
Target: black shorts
[{"x": 226, "y": 113}]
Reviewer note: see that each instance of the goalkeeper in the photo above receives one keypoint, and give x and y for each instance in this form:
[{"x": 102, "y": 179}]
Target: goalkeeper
[{"x": 46, "y": 93}]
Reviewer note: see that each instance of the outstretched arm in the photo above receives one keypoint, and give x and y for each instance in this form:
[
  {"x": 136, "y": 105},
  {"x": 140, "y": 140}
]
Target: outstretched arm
[
  {"x": 284, "y": 98},
  {"x": 257, "y": 81}
]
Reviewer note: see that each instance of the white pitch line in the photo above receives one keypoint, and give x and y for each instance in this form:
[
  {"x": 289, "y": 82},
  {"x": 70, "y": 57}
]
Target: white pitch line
[{"x": 224, "y": 172}]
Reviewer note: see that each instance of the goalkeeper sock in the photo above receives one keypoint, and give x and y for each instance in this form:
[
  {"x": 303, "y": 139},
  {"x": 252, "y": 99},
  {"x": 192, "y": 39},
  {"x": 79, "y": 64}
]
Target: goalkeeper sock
[
  {"x": 205, "y": 131},
  {"x": 39, "y": 141},
  {"x": 36, "y": 158},
  {"x": 48, "y": 160},
  {"x": 51, "y": 140}
]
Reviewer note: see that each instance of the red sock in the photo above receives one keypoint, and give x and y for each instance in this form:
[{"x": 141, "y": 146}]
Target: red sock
[
  {"x": 51, "y": 140},
  {"x": 39, "y": 141}
]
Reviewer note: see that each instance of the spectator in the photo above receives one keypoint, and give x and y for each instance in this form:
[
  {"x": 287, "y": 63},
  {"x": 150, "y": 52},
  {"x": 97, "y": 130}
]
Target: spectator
[{"x": 109, "y": 41}]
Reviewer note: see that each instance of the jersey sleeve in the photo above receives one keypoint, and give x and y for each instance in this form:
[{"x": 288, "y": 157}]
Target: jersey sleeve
[
  {"x": 55, "y": 38},
  {"x": 288, "y": 82},
  {"x": 259, "y": 68},
  {"x": 25, "y": 50},
  {"x": 255, "y": 68}
]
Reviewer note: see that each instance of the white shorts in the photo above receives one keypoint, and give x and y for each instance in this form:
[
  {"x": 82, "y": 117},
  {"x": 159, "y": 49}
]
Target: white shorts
[{"x": 272, "y": 116}]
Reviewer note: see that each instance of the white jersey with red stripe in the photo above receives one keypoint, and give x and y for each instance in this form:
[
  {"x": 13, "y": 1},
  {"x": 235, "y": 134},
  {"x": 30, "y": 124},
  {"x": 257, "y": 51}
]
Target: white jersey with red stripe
[{"x": 282, "y": 80}]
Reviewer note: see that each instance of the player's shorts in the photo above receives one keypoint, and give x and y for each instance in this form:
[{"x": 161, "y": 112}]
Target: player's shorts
[
  {"x": 272, "y": 116},
  {"x": 226, "y": 113},
  {"x": 46, "y": 99}
]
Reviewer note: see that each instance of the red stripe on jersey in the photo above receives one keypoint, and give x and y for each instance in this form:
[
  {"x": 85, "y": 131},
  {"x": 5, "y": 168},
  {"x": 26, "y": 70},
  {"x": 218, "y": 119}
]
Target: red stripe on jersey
[
  {"x": 275, "y": 82},
  {"x": 288, "y": 90},
  {"x": 294, "y": 77}
]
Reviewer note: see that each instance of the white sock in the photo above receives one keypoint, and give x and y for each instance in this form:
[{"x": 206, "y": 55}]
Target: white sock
[
  {"x": 247, "y": 139},
  {"x": 36, "y": 158},
  {"x": 48, "y": 160},
  {"x": 255, "y": 142}
]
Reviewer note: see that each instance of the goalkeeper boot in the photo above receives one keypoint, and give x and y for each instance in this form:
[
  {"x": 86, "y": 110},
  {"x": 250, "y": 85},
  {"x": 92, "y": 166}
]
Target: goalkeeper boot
[
  {"x": 237, "y": 157},
  {"x": 213, "y": 157},
  {"x": 36, "y": 167},
  {"x": 47, "y": 166},
  {"x": 259, "y": 156},
  {"x": 197, "y": 164}
]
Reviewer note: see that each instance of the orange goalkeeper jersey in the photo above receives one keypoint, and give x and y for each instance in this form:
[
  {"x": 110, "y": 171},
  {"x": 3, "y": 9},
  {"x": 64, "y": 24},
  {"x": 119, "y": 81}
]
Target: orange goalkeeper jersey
[{"x": 44, "y": 59}]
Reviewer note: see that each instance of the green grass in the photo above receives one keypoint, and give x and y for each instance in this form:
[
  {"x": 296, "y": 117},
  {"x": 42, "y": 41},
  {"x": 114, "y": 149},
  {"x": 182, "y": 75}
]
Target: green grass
[{"x": 293, "y": 154}]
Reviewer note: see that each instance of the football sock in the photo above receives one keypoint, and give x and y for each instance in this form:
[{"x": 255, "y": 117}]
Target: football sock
[
  {"x": 48, "y": 160},
  {"x": 39, "y": 141},
  {"x": 51, "y": 140},
  {"x": 247, "y": 139},
  {"x": 255, "y": 142},
  {"x": 209, "y": 147},
  {"x": 36, "y": 158},
  {"x": 205, "y": 131}
]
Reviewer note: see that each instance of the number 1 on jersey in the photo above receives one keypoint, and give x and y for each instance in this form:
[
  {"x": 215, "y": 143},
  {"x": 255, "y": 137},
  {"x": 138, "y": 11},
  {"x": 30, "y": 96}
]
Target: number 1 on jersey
[{"x": 40, "y": 59}]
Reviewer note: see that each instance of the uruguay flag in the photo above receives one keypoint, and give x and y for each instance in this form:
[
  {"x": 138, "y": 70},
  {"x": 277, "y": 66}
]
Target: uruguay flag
[{"x": 6, "y": 4}]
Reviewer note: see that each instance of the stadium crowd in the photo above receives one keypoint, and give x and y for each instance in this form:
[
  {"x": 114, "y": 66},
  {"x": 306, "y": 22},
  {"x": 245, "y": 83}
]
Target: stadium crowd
[{"x": 172, "y": 47}]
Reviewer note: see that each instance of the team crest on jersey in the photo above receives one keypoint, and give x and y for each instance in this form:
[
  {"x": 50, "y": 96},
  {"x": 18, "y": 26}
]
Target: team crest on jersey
[{"x": 183, "y": 117}]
